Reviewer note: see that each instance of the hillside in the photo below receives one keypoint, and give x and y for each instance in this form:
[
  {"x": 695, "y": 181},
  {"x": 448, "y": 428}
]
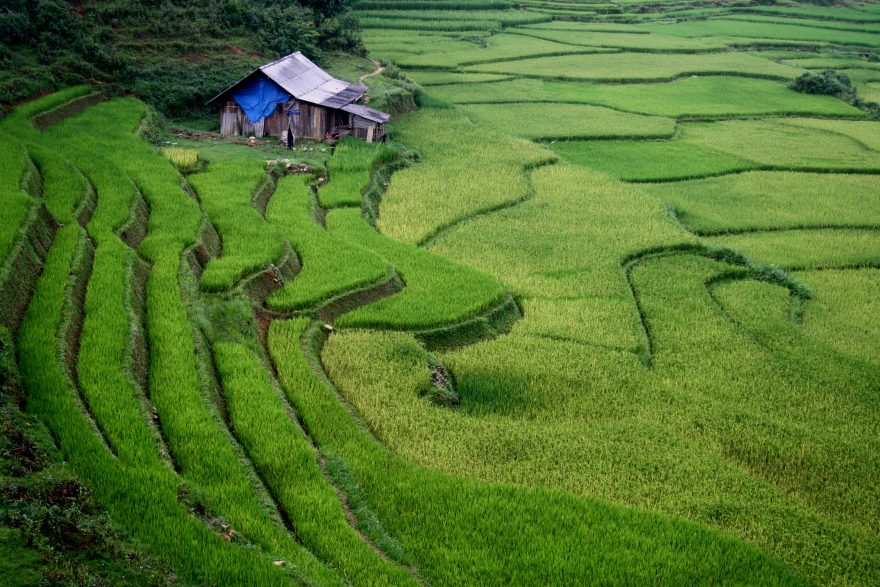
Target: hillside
[
  {"x": 174, "y": 55},
  {"x": 603, "y": 309}
]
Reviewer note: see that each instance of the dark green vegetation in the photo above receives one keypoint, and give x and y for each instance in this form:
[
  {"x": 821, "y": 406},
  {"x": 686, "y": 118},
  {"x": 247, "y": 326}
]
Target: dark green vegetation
[
  {"x": 51, "y": 529},
  {"x": 174, "y": 55},
  {"x": 479, "y": 355}
]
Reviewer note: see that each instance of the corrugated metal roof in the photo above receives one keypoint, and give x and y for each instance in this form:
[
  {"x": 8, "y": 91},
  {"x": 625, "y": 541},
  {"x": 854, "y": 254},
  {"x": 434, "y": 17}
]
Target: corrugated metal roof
[
  {"x": 305, "y": 81},
  {"x": 367, "y": 113}
]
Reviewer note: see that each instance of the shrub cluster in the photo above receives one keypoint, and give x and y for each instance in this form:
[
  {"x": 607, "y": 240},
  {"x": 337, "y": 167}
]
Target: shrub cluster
[
  {"x": 173, "y": 54},
  {"x": 827, "y": 82}
]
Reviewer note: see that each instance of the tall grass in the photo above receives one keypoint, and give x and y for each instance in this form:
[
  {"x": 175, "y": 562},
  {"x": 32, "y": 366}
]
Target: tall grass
[
  {"x": 225, "y": 190},
  {"x": 706, "y": 97},
  {"x": 143, "y": 499},
  {"x": 350, "y": 169},
  {"x": 437, "y": 291},
  {"x": 16, "y": 202},
  {"x": 641, "y": 67},
  {"x": 767, "y": 200},
  {"x": 464, "y": 532},
  {"x": 183, "y": 159},
  {"x": 457, "y": 177},
  {"x": 289, "y": 465},
  {"x": 330, "y": 266},
  {"x": 547, "y": 121}
]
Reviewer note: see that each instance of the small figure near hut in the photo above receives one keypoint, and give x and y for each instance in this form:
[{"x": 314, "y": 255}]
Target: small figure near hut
[{"x": 293, "y": 97}]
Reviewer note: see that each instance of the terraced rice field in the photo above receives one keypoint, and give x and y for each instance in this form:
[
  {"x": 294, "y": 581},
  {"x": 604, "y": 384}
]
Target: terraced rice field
[{"x": 604, "y": 312}]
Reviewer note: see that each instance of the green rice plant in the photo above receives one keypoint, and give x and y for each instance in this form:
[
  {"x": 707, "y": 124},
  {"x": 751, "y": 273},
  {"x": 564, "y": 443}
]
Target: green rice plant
[
  {"x": 578, "y": 321},
  {"x": 780, "y": 143},
  {"x": 835, "y": 326},
  {"x": 653, "y": 42},
  {"x": 869, "y": 91},
  {"x": 651, "y": 160},
  {"x": 828, "y": 62},
  {"x": 24, "y": 112},
  {"x": 707, "y": 149},
  {"x": 106, "y": 366},
  {"x": 697, "y": 97},
  {"x": 196, "y": 437},
  {"x": 183, "y": 159},
  {"x": 799, "y": 249},
  {"x": 665, "y": 366},
  {"x": 104, "y": 373},
  {"x": 437, "y": 78},
  {"x": 330, "y": 266},
  {"x": 756, "y": 30},
  {"x": 249, "y": 242},
  {"x": 561, "y": 7},
  {"x": 430, "y": 25},
  {"x": 437, "y": 291},
  {"x": 144, "y": 500},
  {"x": 640, "y": 67},
  {"x": 457, "y": 177},
  {"x": 545, "y": 121},
  {"x": 845, "y": 316},
  {"x": 582, "y": 213},
  {"x": 17, "y": 203},
  {"x": 815, "y": 12},
  {"x": 771, "y": 200},
  {"x": 398, "y": 45},
  {"x": 812, "y": 23},
  {"x": 67, "y": 192},
  {"x": 290, "y": 467},
  {"x": 350, "y": 170},
  {"x": 504, "y": 17},
  {"x": 503, "y": 545},
  {"x": 589, "y": 224},
  {"x": 865, "y": 133},
  {"x": 499, "y": 50}
]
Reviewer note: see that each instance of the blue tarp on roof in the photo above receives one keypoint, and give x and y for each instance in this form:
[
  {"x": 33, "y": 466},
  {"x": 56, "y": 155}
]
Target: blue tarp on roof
[{"x": 259, "y": 98}]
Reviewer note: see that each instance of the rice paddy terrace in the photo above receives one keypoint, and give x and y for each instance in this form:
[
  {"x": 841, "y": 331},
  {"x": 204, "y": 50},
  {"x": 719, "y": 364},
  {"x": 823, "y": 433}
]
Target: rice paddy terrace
[{"x": 616, "y": 322}]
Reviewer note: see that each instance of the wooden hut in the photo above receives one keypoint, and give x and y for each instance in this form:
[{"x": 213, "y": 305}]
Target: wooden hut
[{"x": 294, "y": 93}]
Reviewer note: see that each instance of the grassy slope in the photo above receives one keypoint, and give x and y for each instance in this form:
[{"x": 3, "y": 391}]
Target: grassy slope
[
  {"x": 463, "y": 532},
  {"x": 545, "y": 402},
  {"x": 563, "y": 403}
]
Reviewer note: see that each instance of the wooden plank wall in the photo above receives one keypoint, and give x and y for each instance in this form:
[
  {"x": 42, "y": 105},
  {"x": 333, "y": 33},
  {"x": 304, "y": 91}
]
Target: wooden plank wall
[{"x": 313, "y": 121}]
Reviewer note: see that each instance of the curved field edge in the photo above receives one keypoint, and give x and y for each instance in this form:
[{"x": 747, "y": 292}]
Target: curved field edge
[{"x": 446, "y": 552}]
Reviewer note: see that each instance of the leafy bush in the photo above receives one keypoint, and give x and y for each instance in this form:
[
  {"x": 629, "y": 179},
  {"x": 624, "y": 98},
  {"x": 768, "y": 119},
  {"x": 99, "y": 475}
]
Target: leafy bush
[
  {"x": 175, "y": 55},
  {"x": 828, "y": 83}
]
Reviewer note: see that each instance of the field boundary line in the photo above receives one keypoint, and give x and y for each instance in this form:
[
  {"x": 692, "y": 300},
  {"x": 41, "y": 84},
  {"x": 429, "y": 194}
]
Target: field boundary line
[
  {"x": 678, "y": 118},
  {"x": 70, "y": 330},
  {"x": 776, "y": 229},
  {"x": 829, "y": 131},
  {"x": 211, "y": 391},
  {"x": 23, "y": 265},
  {"x": 673, "y": 51},
  {"x": 640, "y": 80},
  {"x": 44, "y": 120},
  {"x": 312, "y": 341},
  {"x": 780, "y": 168},
  {"x": 137, "y": 359},
  {"x": 439, "y": 231}
]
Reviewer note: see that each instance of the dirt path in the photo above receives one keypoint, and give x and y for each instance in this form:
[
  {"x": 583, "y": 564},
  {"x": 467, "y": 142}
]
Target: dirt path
[{"x": 379, "y": 69}]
